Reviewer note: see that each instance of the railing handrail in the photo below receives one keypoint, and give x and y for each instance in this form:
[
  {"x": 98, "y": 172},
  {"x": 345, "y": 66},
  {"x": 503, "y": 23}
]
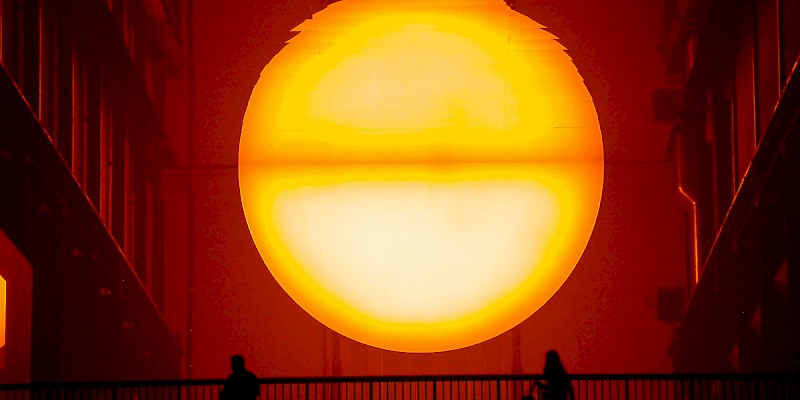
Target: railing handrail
[{"x": 412, "y": 378}]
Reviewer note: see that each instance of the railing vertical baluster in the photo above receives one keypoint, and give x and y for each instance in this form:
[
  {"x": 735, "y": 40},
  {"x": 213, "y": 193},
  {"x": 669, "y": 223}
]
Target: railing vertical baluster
[
  {"x": 449, "y": 390},
  {"x": 627, "y": 382},
  {"x": 739, "y": 391},
  {"x": 474, "y": 391},
  {"x": 749, "y": 385},
  {"x": 658, "y": 389},
  {"x": 766, "y": 391},
  {"x": 602, "y": 389},
  {"x": 743, "y": 389},
  {"x": 585, "y": 389},
  {"x": 474, "y": 395},
  {"x": 655, "y": 389}
]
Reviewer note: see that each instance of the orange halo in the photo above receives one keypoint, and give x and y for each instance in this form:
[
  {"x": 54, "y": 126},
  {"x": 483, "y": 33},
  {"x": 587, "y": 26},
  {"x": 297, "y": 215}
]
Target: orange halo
[{"x": 420, "y": 176}]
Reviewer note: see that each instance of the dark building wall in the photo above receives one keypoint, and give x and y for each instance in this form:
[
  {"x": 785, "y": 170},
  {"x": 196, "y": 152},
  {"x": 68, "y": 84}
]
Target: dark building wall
[
  {"x": 82, "y": 141},
  {"x": 736, "y": 146}
]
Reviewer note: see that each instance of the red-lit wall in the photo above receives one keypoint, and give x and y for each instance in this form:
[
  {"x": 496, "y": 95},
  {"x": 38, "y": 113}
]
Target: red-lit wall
[
  {"x": 15, "y": 354},
  {"x": 737, "y": 143},
  {"x": 604, "y": 318}
]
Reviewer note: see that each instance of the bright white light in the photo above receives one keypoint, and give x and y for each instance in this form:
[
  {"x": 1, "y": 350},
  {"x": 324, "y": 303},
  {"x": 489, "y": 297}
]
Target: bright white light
[{"x": 420, "y": 176}]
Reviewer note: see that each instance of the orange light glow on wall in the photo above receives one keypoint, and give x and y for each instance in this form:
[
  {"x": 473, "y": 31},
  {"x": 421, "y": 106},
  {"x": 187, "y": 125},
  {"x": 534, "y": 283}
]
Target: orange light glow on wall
[{"x": 420, "y": 176}]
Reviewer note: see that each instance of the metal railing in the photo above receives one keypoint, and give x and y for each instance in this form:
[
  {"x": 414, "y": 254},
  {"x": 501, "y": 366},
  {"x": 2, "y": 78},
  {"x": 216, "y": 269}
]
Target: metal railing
[{"x": 469, "y": 387}]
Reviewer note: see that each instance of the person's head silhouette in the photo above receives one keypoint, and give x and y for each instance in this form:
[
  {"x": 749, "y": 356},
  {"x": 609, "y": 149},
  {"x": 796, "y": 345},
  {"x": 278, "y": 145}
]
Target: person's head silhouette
[
  {"x": 553, "y": 365},
  {"x": 237, "y": 363}
]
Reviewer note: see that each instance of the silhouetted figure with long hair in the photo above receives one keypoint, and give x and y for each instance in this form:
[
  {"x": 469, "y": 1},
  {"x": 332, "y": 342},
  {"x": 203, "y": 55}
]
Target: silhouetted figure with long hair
[
  {"x": 556, "y": 385},
  {"x": 241, "y": 384}
]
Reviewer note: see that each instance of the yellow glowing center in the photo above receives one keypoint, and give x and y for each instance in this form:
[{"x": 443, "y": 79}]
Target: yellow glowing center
[{"x": 420, "y": 176}]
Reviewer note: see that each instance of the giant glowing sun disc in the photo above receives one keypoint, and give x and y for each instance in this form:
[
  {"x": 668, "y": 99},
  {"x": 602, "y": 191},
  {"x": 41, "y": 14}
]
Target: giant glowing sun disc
[{"x": 420, "y": 175}]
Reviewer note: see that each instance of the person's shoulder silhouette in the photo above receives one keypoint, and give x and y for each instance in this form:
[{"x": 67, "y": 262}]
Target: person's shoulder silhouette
[
  {"x": 556, "y": 385},
  {"x": 241, "y": 384}
]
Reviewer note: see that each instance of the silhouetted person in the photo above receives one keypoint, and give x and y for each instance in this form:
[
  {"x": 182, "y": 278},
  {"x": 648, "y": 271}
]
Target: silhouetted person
[
  {"x": 241, "y": 384},
  {"x": 556, "y": 385}
]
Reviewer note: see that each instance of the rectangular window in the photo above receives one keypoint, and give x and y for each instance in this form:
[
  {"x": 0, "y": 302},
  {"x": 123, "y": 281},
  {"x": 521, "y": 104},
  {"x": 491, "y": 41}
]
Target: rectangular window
[
  {"x": 63, "y": 107},
  {"x": 744, "y": 81},
  {"x": 118, "y": 12},
  {"x": 767, "y": 62},
  {"x": 11, "y": 37},
  {"x": 86, "y": 124},
  {"x": 79, "y": 117},
  {"x": 47, "y": 66},
  {"x": 118, "y": 177},
  {"x": 29, "y": 69},
  {"x": 106, "y": 161},
  {"x": 789, "y": 36},
  {"x": 1, "y": 30},
  {"x": 93, "y": 149},
  {"x": 128, "y": 29},
  {"x": 149, "y": 236},
  {"x": 157, "y": 240},
  {"x": 139, "y": 218},
  {"x": 711, "y": 140},
  {"x": 725, "y": 170},
  {"x": 130, "y": 200}
]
